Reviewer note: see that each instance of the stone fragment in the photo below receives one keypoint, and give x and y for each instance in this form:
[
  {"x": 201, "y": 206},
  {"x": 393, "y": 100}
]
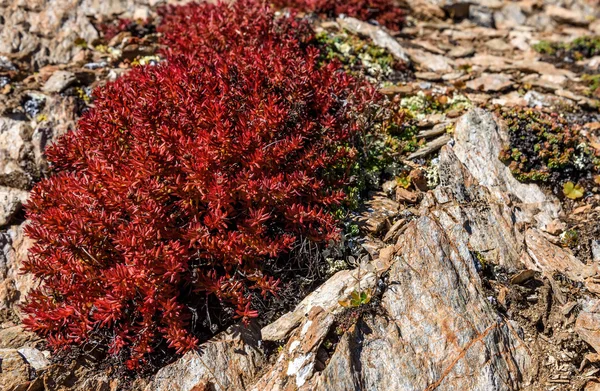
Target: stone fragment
[
  {"x": 486, "y": 62},
  {"x": 431, "y": 76},
  {"x": 14, "y": 370},
  {"x": 15, "y": 337},
  {"x": 229, "y": 361},
  {"x": 498, "y": 45},
  {"x": 10, "y": 203},
  {"x": 512, "y": 99},
  {"x": 569, "y": 16},
  {"x": 588, "y": 323},
  {"x": 430, "y": 62},
  {"x": 37, "y": 360},
  {"x": 491, "y": 82},
  {"x": 425, "y": 9},
  {"x": 482, "y": 16},
  {"x": 59, "y": 81},
  {"x": 431, "y": 147},
  {"x": 510, "y": 16},
  {"x": 14, "y": 285},
  {"x": 406, "y": 196},
  {"x": 15, "y": 148},
  {"x": 548, "y": 258}
]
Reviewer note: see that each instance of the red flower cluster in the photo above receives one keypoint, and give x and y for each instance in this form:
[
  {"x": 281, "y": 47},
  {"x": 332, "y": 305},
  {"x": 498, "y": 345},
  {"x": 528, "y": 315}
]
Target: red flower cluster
[
  {"x": 383, "y": 11},
  {"x": 186, "y": 176}
]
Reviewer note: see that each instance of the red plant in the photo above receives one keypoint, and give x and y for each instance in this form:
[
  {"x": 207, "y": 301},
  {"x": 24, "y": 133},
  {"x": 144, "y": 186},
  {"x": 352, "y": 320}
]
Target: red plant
[
  {"x": 185, "y": 177},
  {"x": 383, "y": 11}
]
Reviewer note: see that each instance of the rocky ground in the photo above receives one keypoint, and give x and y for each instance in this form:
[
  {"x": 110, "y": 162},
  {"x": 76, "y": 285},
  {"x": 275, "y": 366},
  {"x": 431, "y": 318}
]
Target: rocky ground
[{"x": 470, "y": 279}]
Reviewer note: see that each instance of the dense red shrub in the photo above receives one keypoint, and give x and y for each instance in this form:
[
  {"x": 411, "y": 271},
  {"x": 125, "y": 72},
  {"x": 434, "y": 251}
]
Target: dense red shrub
[
  {"x": 383, "y": 11},
  {"x": 185, "y": 177}
]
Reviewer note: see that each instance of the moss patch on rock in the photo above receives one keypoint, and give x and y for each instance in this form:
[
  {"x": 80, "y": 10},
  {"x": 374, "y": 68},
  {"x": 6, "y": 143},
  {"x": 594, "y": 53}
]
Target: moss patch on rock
[
  {"x": 545, "y": 148},
  {"x": 578, "y": 49},
  {"x": 362, "y": 57}
]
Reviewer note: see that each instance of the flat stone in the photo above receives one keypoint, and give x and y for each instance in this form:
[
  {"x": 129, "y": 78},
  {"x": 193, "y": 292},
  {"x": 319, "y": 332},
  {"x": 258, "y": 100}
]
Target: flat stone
[
  {"x": 486, "y": 62},
  {"x": 512, "y": 99},
  {"x": 498, "y": 45},
  {"x": 569, "y": 16},
  {"x": 431, "y": 76},
  {"x": 545, "y": 81},
  {"x": 59, "y": 81},
  {"x": 431, "y": 62},
  {"x": 541, "y": 67},
  {"x": 491, "y": 82},
  {"x": 588, "y": 323},
  {"x": 461, "y": 51}
]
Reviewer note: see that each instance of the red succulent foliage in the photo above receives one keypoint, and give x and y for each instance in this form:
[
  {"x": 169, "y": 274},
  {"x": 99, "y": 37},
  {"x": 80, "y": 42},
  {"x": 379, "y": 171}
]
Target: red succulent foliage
[
  {"x": 186, "y": 177},
  {"x": 383, "y": 11}
]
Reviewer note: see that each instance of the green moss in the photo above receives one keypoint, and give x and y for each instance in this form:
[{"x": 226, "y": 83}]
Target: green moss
[
  {"x": 592, "y": 82},
  {"x": 545, "y": 47},
  {"x": 357, "y": 55},
  {"x": 569, "y": 238},
  {"x": 546, "y": 148},
  {"x": 579, "y": 48},
  {"x": 422, "y": 104}
]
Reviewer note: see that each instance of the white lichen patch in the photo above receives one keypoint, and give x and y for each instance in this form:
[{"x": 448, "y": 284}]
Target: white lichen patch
[
  {"x": 301, "y": 367},
  {"x": 306, "y": 327},
  {"x": 293, "y": 346}
]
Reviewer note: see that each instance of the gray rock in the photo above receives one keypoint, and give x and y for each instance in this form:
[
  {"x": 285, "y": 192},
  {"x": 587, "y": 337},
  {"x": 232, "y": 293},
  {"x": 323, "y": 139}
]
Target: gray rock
[
  {"x": 15, "y": 150},
  {"x": 482, "y": 16},
  {"x": 596, "y": 250},
  {"x": 437, "y": 330},
  {"x": 227, "y": 362},
  {"x": 588, "y": 323},
  {"x": 59, "y": 81},
  {"x": 510, "y": 16},
  {"x": 14, "y": 285},
  {"x": 10, "y": 203},
  {"x": 35, "y": 358}
]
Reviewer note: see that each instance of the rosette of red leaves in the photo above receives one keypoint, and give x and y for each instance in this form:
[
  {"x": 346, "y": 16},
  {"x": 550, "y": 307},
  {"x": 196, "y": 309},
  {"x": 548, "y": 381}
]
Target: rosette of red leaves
[
  {"x": 186, "y": 176},
  {"x": 386, "y": 12}
]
